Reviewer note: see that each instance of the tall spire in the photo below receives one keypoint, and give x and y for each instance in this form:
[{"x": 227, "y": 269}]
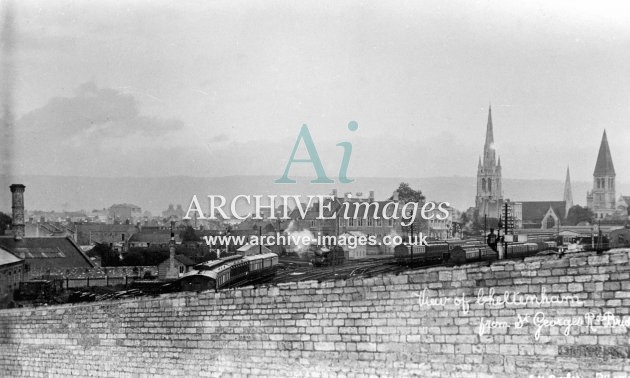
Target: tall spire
[
  {"x": 488, "y": 148},
  {"x": 568, "y": 193},
  {"x": 489, "y": 133},
  {"x": 604, "y": 165}
]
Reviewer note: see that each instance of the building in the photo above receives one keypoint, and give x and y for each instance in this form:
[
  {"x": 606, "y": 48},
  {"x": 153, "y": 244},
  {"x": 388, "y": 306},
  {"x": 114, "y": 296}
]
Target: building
[
  {"x": 91, "y": 233},
  {"x": 440, "y": 228},
  {"x": 152, "y": 238},
  {"x": 251, "y": 249},
  {"x": 182, "y": 265},
  {"x": 489, "y": 198},
  {"x": 623, "y": 207},
  {"x": 354, "y": 251},
  {"x": 46, "y": 255},
  {"x": 11, "y": 274},
  {"x": 363, "y": 214},
  {"x": 125, "y": 213},
  {"x": 544, "y": 215},
  {"x": 172, "y": 213},
  {"x": 41, "y": 255},
  {"x": 601, "y": 199}
]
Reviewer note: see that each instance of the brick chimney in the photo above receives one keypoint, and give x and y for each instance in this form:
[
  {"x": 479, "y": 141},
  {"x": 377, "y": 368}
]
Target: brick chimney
[
  {"x": 395, "y": 196},
  {"x": 371, "y": 197},
  {"x": 17, "y": 194}
]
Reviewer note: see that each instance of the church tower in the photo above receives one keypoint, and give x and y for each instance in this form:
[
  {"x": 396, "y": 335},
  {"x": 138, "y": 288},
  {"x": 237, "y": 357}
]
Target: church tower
[
  {"x": 568, "y": 194},
  {"x": 601, "y": 200},
  {"x": 489, "y": 197}
]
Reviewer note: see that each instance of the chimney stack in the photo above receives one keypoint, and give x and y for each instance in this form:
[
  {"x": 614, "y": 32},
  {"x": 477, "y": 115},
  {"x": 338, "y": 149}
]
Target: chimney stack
[
  {"x": 17, "y": 194},
  {"x": 371, "y": 197},
  {"x": 334, "y": 193},
  {"x": 395, "y": 196}
]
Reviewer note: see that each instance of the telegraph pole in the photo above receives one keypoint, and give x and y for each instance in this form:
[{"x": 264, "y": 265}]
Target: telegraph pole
[{"x": 505, "y": 231}]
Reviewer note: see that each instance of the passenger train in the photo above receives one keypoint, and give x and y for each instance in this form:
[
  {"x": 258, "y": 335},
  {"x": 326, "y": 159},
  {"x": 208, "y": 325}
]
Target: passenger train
[{"x": 217, "y": 274}]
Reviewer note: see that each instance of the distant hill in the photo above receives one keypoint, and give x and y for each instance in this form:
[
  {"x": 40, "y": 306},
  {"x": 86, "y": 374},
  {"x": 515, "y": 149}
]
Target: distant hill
[{"x": 154, "y": 194}]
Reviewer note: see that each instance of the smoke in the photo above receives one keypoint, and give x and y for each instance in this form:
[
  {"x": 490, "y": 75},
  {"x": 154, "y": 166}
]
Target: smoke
[
  {"x": 6, "y": 95},
  {"x": 299, "y": 236}
]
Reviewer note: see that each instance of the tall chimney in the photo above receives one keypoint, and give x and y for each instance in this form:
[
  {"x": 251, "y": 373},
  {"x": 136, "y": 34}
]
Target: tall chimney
[
  {"x": 371, "y": 197},
  {"x": 395, "y": 196},
  {"x": 17, "y": 194}
]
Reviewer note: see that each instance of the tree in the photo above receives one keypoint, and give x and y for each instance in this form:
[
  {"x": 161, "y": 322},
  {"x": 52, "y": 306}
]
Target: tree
[
  {"x": 108, "y": 256},
  {"x": 5, "y": 222},
  {"x": 189, "y": 235},
  {"x": 579, "y": 214},
  {"x": 407, "y": 194}
]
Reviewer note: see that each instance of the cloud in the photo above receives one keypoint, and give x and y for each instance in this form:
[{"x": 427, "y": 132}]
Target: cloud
[
  {"x": 94, "y": 112},
  {"x": 219, "y": 138}
]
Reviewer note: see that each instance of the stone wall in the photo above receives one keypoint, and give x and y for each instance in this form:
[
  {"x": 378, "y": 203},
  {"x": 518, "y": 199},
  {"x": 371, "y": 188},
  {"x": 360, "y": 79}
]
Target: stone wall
[{"x": 387, "y": 326}]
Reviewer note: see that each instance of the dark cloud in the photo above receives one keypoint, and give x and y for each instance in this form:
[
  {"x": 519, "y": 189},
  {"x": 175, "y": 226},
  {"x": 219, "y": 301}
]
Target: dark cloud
[{"x": 94, "y": 112}]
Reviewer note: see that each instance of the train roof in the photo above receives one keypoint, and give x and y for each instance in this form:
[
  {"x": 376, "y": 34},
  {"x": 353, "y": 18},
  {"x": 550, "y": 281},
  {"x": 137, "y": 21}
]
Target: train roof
[
  {"x": 204, "y": 273},
  {"x": 215, "y": 263}
]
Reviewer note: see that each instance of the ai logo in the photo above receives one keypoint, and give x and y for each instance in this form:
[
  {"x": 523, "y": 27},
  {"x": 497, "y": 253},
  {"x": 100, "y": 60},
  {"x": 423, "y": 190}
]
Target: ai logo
[{"x": 305, "y": 137}]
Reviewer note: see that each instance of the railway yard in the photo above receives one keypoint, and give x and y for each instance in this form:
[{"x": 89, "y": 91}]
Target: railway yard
[{"x": 299, "y": 270}]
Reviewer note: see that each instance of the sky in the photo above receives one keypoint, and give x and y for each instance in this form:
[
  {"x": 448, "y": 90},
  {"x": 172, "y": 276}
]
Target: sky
[{"x": 216, "y": 88}]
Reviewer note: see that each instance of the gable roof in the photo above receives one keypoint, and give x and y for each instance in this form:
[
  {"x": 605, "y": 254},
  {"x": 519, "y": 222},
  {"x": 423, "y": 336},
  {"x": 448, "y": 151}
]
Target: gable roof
[
  {"x": 534, "y": 211},
  {"x": 47, "y": 252},
  {"x": 604, "y": 165},
  {"x": 7, "y": 258}
]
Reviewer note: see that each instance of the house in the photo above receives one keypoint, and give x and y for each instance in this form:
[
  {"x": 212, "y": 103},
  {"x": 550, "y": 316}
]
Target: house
[
  {"x": 152, "y": 238},
  {"x": 11, "y": 274},
  {"x": 351, "y": 246},
  {"x": 90, "y": 233},
  {"x": 251, "y": 249},
  {"x": 46, "y": 255},
  {"x": 352, "y": 214},
  {"x": 125, "y": 213},
  {"x": 182, "y": 264}
]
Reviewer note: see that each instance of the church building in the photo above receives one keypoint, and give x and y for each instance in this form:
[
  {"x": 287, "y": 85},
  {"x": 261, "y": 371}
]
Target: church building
[
  {"x": 489, "y": 197},
  {"x": 601, "y": 200}
]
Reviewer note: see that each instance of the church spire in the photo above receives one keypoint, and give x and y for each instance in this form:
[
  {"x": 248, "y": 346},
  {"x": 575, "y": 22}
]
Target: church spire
[
  {"x": 489, "y": 131},
  {"x": 488, "y": 148},
  {"x": 604, "y": 165},
  {"x": 568, "y": 193}
]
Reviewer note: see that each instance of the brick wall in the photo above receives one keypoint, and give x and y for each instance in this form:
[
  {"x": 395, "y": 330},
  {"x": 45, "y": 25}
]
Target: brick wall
[{"x": 371, "y": 326}]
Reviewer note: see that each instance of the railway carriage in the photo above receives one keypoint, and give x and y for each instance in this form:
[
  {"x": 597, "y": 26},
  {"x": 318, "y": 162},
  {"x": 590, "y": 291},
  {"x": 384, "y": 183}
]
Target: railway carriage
[{"x": 228, "y": 271}]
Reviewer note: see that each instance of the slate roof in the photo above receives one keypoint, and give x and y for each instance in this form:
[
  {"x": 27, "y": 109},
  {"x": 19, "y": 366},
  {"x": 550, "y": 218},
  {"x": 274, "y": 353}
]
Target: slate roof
[
  {"x": 7, "y": 258},
  {"x": 155, "y": 237},
  {"x": 47, "y": 252},
  {"x": 604, "y": 165},
  {"x": 534, "y": 211}
]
